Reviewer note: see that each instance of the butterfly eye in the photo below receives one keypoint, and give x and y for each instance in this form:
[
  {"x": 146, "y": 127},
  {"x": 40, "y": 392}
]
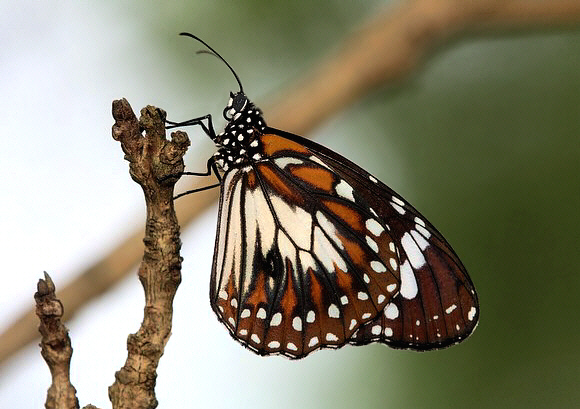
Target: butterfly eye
[
  {"x": 236, "y": 104},
  {"x": 240, "y": 101}
]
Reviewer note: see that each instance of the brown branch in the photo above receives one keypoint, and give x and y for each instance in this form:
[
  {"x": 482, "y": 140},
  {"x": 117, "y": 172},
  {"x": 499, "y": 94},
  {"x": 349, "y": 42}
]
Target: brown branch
[
  {"x": 155, "y": 164},
  {"x": 55, "y": 346},
  {"x": 385, "y": 50}
]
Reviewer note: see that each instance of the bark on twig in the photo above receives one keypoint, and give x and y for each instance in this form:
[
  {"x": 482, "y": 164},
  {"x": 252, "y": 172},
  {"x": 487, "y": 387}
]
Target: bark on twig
[
  {"x": 55, "y": 346},
  {"x": 385, "y": 50},
  {"x": 155, "y": 164}
]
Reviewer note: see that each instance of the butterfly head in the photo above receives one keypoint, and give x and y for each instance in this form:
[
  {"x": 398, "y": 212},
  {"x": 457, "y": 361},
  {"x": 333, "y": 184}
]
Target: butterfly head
[{"x": 238, "y": 144}]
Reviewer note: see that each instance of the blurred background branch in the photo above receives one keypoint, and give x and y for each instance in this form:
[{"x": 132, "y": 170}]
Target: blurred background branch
[{"x": 385, "y": 50}]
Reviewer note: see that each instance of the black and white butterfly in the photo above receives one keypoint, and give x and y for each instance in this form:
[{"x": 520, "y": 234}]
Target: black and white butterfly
[{"x": 314, "y": 252}]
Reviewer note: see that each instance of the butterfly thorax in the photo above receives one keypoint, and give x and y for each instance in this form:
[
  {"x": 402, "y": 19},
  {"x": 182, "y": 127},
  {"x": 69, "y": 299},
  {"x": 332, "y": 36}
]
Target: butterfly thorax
[{"x": 239, "y": 142}]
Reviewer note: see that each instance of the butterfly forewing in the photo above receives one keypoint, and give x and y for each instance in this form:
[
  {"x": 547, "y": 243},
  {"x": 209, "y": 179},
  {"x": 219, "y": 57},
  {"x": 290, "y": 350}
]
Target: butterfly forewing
[
  {"x": 436, "y": 304},
  {"x": 299, "y": 263}
]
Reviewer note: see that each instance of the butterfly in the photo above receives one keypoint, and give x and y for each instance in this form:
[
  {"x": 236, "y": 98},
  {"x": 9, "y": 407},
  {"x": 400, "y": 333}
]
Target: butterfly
[{"x": 313, "y": 252}]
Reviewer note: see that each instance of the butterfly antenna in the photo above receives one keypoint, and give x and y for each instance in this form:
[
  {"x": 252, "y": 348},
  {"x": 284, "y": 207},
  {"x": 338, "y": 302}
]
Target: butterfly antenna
[{"x": 214, "y": 52}]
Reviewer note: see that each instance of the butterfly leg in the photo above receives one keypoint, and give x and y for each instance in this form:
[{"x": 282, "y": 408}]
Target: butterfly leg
[
  {"x": 208, "y": 129},
  {"x": 211, "y": 168},
  {"x": 211, "y": 165}
]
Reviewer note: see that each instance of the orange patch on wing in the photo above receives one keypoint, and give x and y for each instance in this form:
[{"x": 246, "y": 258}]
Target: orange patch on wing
[
  {"x": 289, "y": 300},
  {"x": 252, "y": 181},
  {"x": 351, "y": 217},
  {"x": 354, "y": 251},
  {"x": 277, "y": 183},
  {"x": 316, "y": 289},
  {"x": 344, "y": 280},
  {"x": 257, "y": 295},
  {"x": 273, "y": 143},
  {"x": 317, "y": 177},
  {"x": 255, "y": 298}
]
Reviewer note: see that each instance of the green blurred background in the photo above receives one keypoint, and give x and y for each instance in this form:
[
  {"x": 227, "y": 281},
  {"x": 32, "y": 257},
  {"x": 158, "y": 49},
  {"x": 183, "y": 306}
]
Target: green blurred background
[{"x": 484, "y": 140}]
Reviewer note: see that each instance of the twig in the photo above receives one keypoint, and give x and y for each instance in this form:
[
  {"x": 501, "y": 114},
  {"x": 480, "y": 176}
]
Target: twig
[
  {"x": 55, "y": 346},
  {"x": 155, "y": 164},
  {"x": 385, "y": 50}
]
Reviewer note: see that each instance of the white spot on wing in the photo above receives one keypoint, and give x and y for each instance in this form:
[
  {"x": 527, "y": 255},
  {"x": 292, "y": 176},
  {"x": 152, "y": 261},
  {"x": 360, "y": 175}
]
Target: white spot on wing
[
  {"x": 287, "y": 160},
  {"x": 414, "y": 254},
  {"x": 313, "y": 341},
  {"x": 261, "y": 313},
  {"x": 352, "y": 324},
  {"x": 273, "y": 344},
  {"x": 345, "y": 190},
  {"x": 420, "y": 240},
  {"x": 397, "y": 207},
  {"x": 408, "y": 282},
  {"x": 471, "y": 313},
  {"x": 320, "y": 162},
  {"x": 310, "y": 317},
  {"x": 333, "y": 311},
  {"x": 398, "y": 201},
  {"x": 331, "y": 337},
  {"x": 276, "y": 319},
  {"x": 391, "y": 311},
  {"x": 297, "y": 323},
  {"x": 374, "y": 227},
  {"x": 451, "y": 308},
  {"x": 378, "y": 266},
  {"x": 372, "y": 244}
]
